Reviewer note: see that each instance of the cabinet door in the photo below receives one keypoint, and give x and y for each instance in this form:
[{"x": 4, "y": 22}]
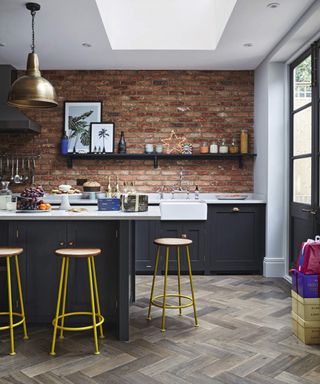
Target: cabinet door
[
  {"x": 195, "y": 231},
  {"x": 145, "y": 233},
  {"x": 40, "y": 240},
  {"x": 236, "y": 238},
  {"x": 94, "y": 234}
]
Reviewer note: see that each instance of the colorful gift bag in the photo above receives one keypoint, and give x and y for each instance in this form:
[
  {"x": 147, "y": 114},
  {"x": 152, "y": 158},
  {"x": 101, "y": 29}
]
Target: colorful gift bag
[{"x": 309, "y": 257}]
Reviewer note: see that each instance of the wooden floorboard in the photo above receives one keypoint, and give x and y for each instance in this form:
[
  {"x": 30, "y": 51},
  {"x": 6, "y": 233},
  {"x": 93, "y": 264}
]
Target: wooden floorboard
[{"x": 244, "y": 337}]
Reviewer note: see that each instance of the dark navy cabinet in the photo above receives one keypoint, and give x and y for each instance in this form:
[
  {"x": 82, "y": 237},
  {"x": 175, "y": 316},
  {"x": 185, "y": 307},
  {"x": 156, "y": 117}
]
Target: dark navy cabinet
[
  {"x": 145, "y": 250},
  {"x": 237, "y": 239},
  {"x": 232, "y": 240},
  {"x": 40, "y": 267}
]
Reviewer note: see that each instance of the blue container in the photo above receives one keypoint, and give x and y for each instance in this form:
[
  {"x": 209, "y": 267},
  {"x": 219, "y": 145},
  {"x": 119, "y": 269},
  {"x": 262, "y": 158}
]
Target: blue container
[
  {"x": 106, "y": 204},
  {"x": 308, "y": 286},
  {"x": 294, "y": 275},
  {"x": 64, "y": 143}
]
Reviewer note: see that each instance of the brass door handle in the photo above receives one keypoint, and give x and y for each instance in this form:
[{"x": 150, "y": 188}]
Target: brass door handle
[
  {"x": 61, "y": 243},
  {"x": 70, "y": 243},
  {"x": 309, "y": 211},
  {"x": 235, "y": 209}
]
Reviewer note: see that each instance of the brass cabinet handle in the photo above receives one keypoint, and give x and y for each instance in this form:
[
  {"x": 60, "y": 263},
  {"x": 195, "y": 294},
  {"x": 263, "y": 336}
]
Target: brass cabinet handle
[
  {"x": 70, "y": 243},
  {"x": 235, "y": 209},
  {"x": 184, "y": 236},
  {"x": 61, "y": 243},
  {"x": 309, "y": 211}
]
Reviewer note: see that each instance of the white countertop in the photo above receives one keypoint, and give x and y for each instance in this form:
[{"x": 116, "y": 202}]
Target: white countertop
[
  {"x": 154, "y": 198},
  {"x": 92, "y": 213}
]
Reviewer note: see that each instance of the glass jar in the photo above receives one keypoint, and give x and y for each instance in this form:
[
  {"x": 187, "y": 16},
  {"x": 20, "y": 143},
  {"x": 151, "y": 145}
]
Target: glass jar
[
  {"x": 204, "y": 147},
  {"x": 213, "y": 147},
  {"x": 234, "y": 147},
  {"x": 244, "y": 141},
  {"x": 223, "y": 147}
]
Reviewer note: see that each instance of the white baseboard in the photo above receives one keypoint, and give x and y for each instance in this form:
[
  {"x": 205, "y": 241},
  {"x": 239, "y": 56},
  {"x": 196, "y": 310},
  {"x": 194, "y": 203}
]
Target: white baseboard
[{"x": 273, "y": 267}]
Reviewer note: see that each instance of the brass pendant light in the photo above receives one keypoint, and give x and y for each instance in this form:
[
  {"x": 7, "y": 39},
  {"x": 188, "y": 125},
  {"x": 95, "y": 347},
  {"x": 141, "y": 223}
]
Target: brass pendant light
[{"x": 32, "y": 90}]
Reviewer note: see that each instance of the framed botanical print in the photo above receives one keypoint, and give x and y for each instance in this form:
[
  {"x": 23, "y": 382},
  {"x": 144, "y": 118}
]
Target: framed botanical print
[
  {"x": 78, "y": 115},
  {"x": 102, "y": 138}
]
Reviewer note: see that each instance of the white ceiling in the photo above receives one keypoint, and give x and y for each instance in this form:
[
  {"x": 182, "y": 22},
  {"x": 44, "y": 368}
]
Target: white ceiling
[{"x": 63, "y": 25}]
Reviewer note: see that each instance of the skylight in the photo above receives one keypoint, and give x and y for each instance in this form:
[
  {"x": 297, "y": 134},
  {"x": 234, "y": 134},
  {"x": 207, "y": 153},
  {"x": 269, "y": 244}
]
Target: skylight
[{"x": 165, "y": 24}]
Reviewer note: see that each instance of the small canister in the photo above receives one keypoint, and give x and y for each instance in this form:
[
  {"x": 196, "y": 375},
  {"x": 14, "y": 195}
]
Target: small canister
[
  {"x": 159, "y": 148},
  {"x": 213, "y": 147},
  {"x": 204, "y": 148},
  {"x": 223, "y": 147},
  {"x": 148, "y": 148},
  {"x": 234, "y": 147}
]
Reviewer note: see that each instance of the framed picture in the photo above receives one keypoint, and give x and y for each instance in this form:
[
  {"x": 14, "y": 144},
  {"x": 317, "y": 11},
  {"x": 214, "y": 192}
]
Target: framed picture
[
  {"x": 102, "y": 137},
  {"x": 78, "y": 115}
]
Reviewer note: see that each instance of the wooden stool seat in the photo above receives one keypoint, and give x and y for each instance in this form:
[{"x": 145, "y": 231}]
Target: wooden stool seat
[
  {"x": 78, "y": 252},
  {"x": 10, "y": 251},
  {"x": 172, "y": 242}
]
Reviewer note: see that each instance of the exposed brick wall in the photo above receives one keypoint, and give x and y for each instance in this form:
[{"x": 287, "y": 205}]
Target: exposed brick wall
[{"x": 144, "y": 104}]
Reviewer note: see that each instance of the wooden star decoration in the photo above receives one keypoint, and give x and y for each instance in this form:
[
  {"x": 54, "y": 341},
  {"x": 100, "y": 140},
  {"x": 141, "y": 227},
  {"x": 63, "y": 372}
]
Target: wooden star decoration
[{"x": 173, "y": 144}]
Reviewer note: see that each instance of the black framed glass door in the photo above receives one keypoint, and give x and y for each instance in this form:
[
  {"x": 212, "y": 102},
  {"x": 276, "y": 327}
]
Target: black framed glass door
[{"x": 304, "y": 149}]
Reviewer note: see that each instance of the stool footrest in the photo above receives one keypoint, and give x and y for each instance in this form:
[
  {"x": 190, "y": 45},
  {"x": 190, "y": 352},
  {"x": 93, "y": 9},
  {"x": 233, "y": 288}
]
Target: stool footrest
[
  {"x": 14, "y": 324},
  {"x": 100, "y": 321},
  {"x": 168, "y": 306}
]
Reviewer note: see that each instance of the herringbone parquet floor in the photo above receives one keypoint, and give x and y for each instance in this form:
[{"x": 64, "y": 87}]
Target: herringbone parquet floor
[{"x": 244, "y": 338}]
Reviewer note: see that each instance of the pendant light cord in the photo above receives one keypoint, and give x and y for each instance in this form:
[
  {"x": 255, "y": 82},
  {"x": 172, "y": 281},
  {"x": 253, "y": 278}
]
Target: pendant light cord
[{"x": 33, "y": 13}]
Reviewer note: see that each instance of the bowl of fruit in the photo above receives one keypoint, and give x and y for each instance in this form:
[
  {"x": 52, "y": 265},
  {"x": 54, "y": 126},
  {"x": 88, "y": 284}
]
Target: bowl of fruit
[{"x": 31, "y": 200}]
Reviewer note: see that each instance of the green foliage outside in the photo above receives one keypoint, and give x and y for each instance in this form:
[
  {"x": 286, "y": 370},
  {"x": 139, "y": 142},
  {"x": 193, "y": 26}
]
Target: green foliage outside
[{"x": 302, "y": 72}]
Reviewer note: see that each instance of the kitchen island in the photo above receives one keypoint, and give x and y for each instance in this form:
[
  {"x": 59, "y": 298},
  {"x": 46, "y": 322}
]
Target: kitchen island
[{"x": 39, "y": 234}]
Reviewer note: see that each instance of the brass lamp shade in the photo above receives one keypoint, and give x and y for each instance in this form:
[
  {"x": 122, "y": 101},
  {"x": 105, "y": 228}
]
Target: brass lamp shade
[{"x": 32, "y": 90}]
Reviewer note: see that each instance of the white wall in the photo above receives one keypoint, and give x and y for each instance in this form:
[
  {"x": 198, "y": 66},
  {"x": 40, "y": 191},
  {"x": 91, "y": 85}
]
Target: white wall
[{"x": 269, "y": 171}]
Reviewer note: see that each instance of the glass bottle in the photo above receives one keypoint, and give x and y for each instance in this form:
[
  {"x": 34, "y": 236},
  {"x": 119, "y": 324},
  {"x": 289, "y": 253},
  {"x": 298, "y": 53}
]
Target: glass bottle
[
  {"x": 244, "y": 141},
  {"x": 223, "y": 147},
  {"x": 109, "y": 189},
  {"x": 196, "y": 193},
  {"x": 122, "y": 147}
]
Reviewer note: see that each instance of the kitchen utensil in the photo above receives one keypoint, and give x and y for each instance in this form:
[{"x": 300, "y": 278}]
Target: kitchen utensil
[
  {"x": 16, "y": 178},
  {"x": 26, "y": 173},
  {"x": 22, "y": 171},
  {"x": 33, "y": 171},
  {"x": 12, "y": 170}
]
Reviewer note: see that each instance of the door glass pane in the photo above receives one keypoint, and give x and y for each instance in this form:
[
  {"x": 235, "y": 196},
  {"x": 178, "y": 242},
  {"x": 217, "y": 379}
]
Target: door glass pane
[
  {"x": 302, "y": 132},
  {"x": 302, "y": 180},
  {"x": 302, "y": 83}
]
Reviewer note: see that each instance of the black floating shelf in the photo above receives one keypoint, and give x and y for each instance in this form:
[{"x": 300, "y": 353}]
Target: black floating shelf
[{"x": 155, "y": 157}]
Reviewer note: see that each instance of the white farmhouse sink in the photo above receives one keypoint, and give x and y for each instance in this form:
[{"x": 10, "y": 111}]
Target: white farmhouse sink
[{"x": 183, "y": 210}]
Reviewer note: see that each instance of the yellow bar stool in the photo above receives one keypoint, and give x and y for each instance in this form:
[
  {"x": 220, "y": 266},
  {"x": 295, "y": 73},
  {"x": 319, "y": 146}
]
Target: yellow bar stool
[
  {"x": 167, "y": 243},
  {"x": 97, "y": 318},
  {"x": 8, "y": 253}
]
